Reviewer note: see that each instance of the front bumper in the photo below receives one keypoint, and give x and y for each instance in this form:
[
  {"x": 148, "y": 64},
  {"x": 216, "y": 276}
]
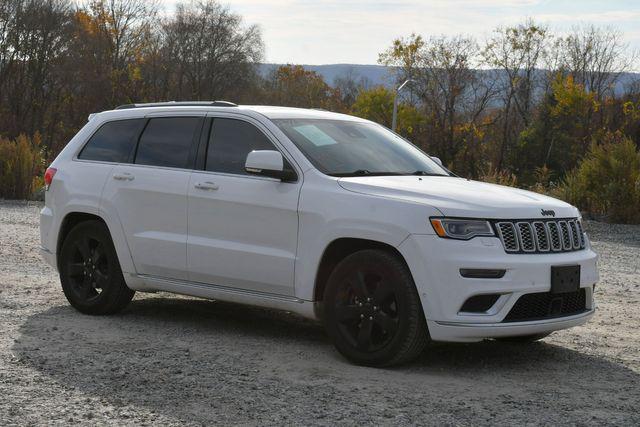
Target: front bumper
[
  {"x": 435, "y": 264},
  {"x": 473, "y": 332}
]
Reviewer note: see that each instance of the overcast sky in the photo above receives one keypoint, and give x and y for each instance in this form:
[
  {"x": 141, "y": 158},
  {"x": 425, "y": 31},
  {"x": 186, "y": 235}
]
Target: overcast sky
[{"x": 355, "y": 31}]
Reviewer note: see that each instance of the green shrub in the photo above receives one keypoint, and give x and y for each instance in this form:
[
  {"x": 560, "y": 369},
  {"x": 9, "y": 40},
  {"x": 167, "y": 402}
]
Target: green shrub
[
  {"x": 606, "y": 183},
  {"x": 21, "y": 167}
]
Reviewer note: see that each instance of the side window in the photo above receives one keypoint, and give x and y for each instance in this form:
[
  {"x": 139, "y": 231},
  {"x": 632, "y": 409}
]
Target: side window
[
  {"x": 230, "y": 142},
  {"x": 166, "y": 141},
  {"x": 112, "y": 142}
]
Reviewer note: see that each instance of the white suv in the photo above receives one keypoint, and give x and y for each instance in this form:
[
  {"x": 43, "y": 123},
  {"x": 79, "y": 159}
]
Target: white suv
[{"x": 326, "y": 215}]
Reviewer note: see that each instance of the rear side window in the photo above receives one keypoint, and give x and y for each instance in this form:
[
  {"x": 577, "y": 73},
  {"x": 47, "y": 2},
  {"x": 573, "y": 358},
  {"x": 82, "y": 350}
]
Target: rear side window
[
  {"x": 230, "y": 142},
  {"x": 167, "y": 141},
  {"x": 112, "y": 142}
]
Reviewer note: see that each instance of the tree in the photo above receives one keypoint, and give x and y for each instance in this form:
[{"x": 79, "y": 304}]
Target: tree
[
  {"x": 448, "y": 89},
  {"x": 207, "y": 53},
  {"x": 33, "y": 40},
  {"x": 376, "y": 104},
  {"x": 293, "y": 86},
  {"x": 560, "y": 134},
  {"x": 348, "y": 86},
  {"x": 595, "y": 58},
  {"x": 515, "y": 52},
  {"x": 8, "y": 16},
  {"x": 117, "y": 31}
]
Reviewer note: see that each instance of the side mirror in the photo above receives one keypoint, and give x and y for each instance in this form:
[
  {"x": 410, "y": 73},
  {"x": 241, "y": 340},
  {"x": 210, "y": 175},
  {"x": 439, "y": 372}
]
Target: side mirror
[
  {"x": 268, "y": 163},
  {"x": 437, "y": 160}
]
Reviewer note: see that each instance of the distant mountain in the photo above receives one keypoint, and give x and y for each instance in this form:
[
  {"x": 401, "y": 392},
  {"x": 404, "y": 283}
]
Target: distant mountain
[
  {"x": 375, "y": 74},
  {"x": 381, "y": 75}
]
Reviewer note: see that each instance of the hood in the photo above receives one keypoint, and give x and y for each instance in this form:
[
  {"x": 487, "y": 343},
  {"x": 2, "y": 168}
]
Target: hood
[{"x": 459, "y": 197}]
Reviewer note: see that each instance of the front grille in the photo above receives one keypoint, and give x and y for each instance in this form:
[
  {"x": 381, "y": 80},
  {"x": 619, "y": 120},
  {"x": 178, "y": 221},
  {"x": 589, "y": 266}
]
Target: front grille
[
  {"x": 545, "y": 305},
  {"x": 541, "y": 236}
]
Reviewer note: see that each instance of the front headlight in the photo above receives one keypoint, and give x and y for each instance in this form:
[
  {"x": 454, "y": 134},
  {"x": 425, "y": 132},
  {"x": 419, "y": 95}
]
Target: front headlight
[{"x": 462, "y": 229}]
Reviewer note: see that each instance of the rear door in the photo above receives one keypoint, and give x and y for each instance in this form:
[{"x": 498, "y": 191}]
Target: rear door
[
  {"x": 242, "y": 228},
  {"x": 150, "y": 194}
]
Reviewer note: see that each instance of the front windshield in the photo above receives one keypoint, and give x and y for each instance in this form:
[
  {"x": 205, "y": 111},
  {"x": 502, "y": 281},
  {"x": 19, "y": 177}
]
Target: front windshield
[{"x": 348, "y": 148}]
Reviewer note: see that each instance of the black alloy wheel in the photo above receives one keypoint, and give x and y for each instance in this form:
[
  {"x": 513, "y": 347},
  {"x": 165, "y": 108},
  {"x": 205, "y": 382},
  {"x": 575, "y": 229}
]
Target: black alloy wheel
[
  {"x": 88, "y": 268},
  {"x": 372, "y": 309},
  {"x": 367, "y": 311},
  {"x": 90, "y": 272}
]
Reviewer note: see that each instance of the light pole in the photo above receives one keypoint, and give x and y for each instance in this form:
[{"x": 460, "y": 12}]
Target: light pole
[{"x": 394, "y": 120}]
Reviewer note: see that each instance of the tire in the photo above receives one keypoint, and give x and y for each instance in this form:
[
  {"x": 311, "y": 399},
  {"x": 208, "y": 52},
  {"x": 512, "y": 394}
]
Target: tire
[
  {"x": 90, "y": 272},
  {"x": 372, "y": 310},
  {"x": 524, "y": 339}
]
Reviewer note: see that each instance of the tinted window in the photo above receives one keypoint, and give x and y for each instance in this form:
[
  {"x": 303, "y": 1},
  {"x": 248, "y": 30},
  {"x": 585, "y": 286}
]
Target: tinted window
[
  {"x": 230, "y": 142},
  {"x": 167, "y": 142},
  {"x": 112, "y": 142}
]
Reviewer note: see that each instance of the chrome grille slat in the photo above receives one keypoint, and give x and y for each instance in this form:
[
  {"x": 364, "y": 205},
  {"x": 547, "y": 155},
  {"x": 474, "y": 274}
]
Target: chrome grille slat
[
  {"x": 525, "y": 236},
  {"x": 566, "y": 235},
  {"x": 575, "y": 234},
  {"x": 581, "y": 233},
  {"x": 507, "y": 233},
  {"x": 541, "y": 236},
  {"x": 554, "y": 232}
]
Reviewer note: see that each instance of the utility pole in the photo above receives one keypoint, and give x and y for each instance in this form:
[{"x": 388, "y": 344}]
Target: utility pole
[{"x": 394, "y": 120}]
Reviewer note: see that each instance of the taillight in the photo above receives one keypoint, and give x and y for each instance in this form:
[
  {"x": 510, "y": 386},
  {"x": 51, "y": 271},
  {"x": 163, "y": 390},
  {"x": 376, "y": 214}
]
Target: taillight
[{"x": 48, "y": 177}]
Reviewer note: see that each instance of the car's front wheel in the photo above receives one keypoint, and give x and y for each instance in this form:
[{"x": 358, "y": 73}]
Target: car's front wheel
[
  {"x": 90, "y": 272},
  {"x": 372, "y": 309}
]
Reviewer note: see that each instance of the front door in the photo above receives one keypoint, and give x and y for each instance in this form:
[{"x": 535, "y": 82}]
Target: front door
[{"x": 242, "y": 228}]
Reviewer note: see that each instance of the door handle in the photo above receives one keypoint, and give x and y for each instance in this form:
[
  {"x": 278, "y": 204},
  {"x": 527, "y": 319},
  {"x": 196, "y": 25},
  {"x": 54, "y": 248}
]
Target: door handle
[
  {"x": 208, "y": 185},
  {"x": 123, "y": 176}
]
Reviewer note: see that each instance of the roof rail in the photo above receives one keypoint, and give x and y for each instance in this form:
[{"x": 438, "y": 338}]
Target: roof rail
[{"x": 179, "y": 104}]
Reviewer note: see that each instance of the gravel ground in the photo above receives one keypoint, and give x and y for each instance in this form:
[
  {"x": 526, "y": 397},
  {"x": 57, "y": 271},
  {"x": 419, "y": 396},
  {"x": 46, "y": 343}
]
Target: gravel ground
[{"x": 173, "y": 360}]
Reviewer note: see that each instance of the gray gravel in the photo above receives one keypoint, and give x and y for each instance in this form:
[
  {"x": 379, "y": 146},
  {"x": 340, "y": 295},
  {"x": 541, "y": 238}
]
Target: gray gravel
[{"x": 173, "y": 360}]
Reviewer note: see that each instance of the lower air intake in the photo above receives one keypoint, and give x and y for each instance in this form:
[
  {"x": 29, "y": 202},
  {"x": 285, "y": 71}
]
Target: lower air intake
[{"x": 545, "y": 305}]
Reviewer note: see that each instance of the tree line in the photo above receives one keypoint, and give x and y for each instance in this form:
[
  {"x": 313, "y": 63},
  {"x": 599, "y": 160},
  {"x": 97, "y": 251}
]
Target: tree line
[{"x": 524, "y": 107}]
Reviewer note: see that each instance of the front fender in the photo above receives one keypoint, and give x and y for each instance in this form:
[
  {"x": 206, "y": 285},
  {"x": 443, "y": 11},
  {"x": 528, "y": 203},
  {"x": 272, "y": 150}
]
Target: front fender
[{"x": 329, "y": 212}]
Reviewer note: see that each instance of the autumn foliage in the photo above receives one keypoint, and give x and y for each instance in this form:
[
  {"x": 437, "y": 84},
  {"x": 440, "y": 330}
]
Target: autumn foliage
[{"x": 525, "y": 107}]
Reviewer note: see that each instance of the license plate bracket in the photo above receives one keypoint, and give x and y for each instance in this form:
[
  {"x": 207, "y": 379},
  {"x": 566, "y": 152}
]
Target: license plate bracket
[{"x": 565, "y": 278}]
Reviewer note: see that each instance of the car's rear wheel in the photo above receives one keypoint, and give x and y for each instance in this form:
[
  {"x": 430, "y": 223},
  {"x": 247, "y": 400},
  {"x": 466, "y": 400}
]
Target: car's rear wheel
[
  {"x": 524, "y": 339},
  {"x": 90, "y": 272},
  {"x": 372, "y": 310}
]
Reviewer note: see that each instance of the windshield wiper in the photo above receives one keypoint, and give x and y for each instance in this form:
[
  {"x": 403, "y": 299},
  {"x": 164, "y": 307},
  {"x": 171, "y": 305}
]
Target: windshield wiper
[
  {"x": 358, "y": 172},
  {"x": 425, "y": 173},
  {"x": 364, "y": 172}
]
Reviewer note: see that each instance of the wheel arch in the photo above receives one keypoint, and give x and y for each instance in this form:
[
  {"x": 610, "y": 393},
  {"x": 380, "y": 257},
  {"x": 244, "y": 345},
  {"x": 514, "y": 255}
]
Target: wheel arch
[
  {"x": 67, "y": 224},
  {"x": 75, "y": 217},
  {"x": 339, "y": 249}
]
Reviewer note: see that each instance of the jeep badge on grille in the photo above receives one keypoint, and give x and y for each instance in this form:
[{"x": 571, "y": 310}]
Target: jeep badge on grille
[{"x": 548, "y": 212}]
